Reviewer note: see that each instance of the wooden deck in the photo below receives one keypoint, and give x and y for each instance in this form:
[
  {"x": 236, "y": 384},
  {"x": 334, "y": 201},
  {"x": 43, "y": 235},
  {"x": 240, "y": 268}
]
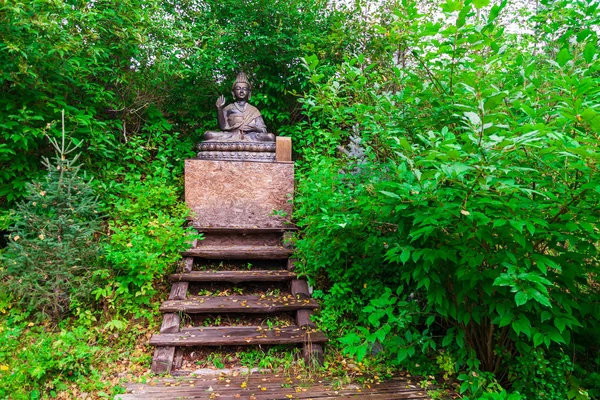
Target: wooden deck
[{"x": 266, "y": 387}]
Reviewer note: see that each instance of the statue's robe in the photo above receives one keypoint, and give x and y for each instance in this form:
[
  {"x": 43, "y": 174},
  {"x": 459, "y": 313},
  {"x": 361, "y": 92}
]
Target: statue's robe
[{"x": 246, "y": 125}]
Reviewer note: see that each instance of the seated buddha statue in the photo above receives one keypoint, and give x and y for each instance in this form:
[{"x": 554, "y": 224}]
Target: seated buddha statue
[{"x": 239, "y": 121}]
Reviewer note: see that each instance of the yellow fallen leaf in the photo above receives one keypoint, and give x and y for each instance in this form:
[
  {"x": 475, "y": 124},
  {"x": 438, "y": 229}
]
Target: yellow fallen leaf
[{"x": 243, "y": 385}]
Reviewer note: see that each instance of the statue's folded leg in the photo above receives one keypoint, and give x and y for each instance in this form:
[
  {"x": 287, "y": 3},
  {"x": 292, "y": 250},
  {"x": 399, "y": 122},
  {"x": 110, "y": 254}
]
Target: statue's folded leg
[
  {"x": 259, "y": 136},
  {"x": 221, "y": 136}
]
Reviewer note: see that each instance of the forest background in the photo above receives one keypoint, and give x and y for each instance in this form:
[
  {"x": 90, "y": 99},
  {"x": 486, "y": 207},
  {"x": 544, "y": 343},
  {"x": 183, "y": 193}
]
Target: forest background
[{"x": 447, "y": 181}]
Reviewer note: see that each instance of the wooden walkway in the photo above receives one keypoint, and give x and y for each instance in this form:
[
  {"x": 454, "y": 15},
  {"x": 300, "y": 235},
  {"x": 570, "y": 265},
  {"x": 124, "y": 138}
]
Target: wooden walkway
[{"x": 266, "y": 387}]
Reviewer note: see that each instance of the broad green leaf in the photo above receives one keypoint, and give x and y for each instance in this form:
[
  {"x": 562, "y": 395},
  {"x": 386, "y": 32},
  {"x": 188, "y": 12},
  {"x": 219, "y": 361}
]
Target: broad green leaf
[
  {"x": 506, "y": 319},
  {"x": 588, "y": 114},
  {"x": 522, "y": 325},
  {"x": 499, "y": 222},
  {"x": 554, "y": 335},
  {"x": 495, "y": 11},
  {"x": 563, "y": 57},
  {"x": 589, "y": 51},
  {"x": 521, "y": 298},
  {"x": 494, "y": 100},
  {"x": 473, "y": 118},
  {"x": 405, "y": 256},
  {"x": 561, "y": 323},
  {"x": 448, "y": 338},
  {"x": 390, "y": 194},
  {"x": 540, "y": 298},
  {"x": 481, "y": 3},
  {"x": 452, "y": 5}
]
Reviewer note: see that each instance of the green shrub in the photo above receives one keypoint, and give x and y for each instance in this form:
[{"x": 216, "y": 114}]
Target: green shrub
[
  {"x": 37, "y": 364},
  {"x": 461, "y": 213},
  {"x": 147, "y": 235}
]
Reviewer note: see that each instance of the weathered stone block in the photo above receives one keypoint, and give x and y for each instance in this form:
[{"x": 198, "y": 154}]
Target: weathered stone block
[{"x": 237, "y": 194}]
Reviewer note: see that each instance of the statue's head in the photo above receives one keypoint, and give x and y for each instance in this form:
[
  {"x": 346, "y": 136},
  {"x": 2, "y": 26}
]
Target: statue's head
[{"x": 241, "y": 88}]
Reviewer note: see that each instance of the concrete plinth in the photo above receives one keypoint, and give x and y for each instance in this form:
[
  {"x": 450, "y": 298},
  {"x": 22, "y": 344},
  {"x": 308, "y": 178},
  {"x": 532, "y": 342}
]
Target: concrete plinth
[{"x": 238, "y": 194}]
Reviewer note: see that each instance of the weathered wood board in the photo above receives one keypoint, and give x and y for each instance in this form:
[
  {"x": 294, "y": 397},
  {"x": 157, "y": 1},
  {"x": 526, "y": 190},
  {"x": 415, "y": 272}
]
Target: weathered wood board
[
  {"x": 263, "y": 387},
  {"x": 237, "y": 304},
  {"x": 238, "y": 335}
]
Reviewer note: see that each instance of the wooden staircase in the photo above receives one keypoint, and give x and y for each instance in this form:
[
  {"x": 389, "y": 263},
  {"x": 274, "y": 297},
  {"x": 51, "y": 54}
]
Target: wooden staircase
[{"x": 222, "y": 247}]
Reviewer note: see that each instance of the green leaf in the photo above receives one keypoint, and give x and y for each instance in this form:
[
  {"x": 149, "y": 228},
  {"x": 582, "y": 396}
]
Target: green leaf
[
  {"x": 452, "y": 5},
  {"x": 588, "y": 114},
  {"x": 495, "y": 11},
  {"x": 448, "y": 338},
  {"x": 561, "y": 323},
  {"x": 473, "y": 118},
  {"x": 506, "y": 319},
  {"x": 554, "y": 335},
  {"x": 390, "y": 194},
  {"x": 521, "y": 298},
  {"x": 405, "y": 256},
  {"x": 563, "y": 57},
  {"x": 540, "y": 298},
  {"x": 494, "y": 100},
  {"x": 504, "y": 280},
  {"x": 430, "y": 320},
  {"x": 589, "y": 51},
  {"x": 522, "y": 324},
  {"x": 481, "y": 3},
  {"x": 499, "y": 222}
]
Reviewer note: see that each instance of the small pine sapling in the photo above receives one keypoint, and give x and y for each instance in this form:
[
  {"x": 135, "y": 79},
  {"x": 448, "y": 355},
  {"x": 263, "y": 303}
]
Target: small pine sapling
[{"x": 52, "y": 246}]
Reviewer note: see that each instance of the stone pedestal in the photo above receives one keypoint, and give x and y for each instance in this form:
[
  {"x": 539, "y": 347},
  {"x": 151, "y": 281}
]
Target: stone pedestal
[{"x": 239, "y": 194}]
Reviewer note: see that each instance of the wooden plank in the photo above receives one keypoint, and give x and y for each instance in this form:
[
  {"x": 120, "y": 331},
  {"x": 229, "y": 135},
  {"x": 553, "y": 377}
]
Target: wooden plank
[
  {"x": 178, "y": 291},
  {"x": 170, "y": 323},
  {"x": 313, "y": 354},
  {"x": 291, "y": 264},
  {"x": 237, "y": 304},
  {"x": 300, "y": 289},
  {"x": 189, "y": 264},
  {"x": 246, "y": 230},
  {"x": 162, "y": 361},
  {"x": 178, "y": 359},
  {"x": 303, "y": 319},
  {"x": 240, "y": 252},
  {"x": 238, "y": 335},
  {"x": 233, "y": 276},
  {"x": 283, "y": 148},
  {"x": 263, "y": 387}
]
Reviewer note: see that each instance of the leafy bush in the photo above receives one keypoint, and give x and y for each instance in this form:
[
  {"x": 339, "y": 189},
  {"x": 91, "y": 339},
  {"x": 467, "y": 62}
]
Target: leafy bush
[
  {"x": 147, "y": 236},
  {"x": 52, "y": 251},
  {"x": 45, "y": 364},
  {"x": 147, "y": 219},
  {"x": 469, "y": 212}
]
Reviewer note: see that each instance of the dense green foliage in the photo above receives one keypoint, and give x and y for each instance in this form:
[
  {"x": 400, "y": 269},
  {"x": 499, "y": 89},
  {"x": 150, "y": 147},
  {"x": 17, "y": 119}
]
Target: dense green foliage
[
  {"x": 462, "y": 215},
  {"x": 447, "y": 178}
]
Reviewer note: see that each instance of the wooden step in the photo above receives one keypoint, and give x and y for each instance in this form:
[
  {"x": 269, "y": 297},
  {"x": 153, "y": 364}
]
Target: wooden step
[
  {"x": 234, "y": 276},
  {"x": 238, "y": 335},
  {"x": 240, "y": 252},
  {"x": 237, "y": 304},
  {"x": 245, "y": 230}
]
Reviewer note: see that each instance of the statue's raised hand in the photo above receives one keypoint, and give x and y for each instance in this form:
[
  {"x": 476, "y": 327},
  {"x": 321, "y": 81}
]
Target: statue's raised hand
[{"x": 220, "y": 101}]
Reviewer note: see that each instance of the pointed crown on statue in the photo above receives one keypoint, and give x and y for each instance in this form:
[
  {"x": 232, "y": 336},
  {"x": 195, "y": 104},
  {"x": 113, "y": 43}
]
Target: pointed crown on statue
[{"x": 242, "y": 78}]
